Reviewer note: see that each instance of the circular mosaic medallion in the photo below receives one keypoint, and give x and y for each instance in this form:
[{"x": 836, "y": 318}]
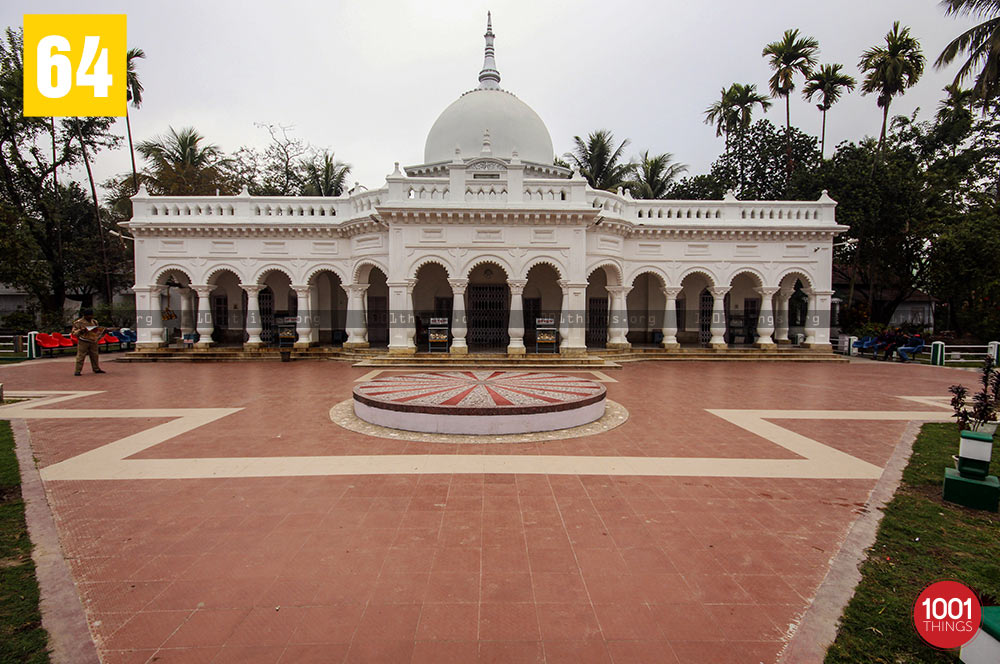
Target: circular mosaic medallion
[{"x": 480, "y": 402}]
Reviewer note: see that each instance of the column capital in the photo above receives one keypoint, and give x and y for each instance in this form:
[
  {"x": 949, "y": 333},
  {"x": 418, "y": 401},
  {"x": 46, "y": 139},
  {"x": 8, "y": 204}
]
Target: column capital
[
  {"x": 619, "y": 290},
  {"x": 356, "y": 289},
  {"x": 822, "y": 293},
  {"x": 203, "y": 290},
  {"x": 517, "y": 285},
  {"x": 458, "y": 286},
  {"x": 671, "y": 292},
  {"x": 786, "y": 292},
  {"x": 252, "y": 289},
  {"x": 719, "y": 291},
  {"x": 567, "y": 284},
  {"x": 410, "y": 285},
  {"x": 144, "y": 289},
  {"x": 301, "y": 289},
  {"x": 767, "y": 291}
]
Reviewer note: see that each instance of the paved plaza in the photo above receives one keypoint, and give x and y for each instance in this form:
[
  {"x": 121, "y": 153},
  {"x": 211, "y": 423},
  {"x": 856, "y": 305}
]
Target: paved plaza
[{"x": 218, "y": 513}]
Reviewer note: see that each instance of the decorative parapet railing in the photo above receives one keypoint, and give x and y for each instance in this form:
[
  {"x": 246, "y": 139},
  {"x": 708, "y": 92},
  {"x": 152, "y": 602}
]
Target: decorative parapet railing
[{"x": 556, "y": 194}]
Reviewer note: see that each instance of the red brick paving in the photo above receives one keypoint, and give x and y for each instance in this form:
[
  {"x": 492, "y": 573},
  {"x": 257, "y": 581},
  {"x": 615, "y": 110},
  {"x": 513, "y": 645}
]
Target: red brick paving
[{"x": 442, "y": 568}]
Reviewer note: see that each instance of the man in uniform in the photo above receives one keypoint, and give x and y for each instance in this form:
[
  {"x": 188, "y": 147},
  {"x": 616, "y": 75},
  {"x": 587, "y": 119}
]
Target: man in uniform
[{"x": 88, "y": 335}]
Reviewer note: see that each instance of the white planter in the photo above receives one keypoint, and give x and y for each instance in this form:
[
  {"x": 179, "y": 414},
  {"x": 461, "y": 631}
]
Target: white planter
[
  {"x": 980, "y": 450},
  {"x": 989, "y": 427}
]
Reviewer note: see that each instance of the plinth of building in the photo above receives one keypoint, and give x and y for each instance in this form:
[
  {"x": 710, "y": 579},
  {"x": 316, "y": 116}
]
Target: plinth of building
[{"x": 480, "y": 402}]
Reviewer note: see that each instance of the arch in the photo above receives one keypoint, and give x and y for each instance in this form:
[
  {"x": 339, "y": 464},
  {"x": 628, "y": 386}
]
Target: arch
[
  {"x": 215, "y": 269},
  {"x": 751, "y": 271},
  {"x": 475, "y": 262},
  {"x": 428, "y": 260},
  {"x": 544, "y": 260},
  {"x": 163, "y": 271},
  {"x": 261, "y": 272},
  {"x": 614, "y": 274},
  {"x": 705, "y": 272},
  {"x": 652, "y": 269},
  {"x": 364, "y": 267},
  {"x": 798, "y": 273},
  {"x": 324, "y": 267}
]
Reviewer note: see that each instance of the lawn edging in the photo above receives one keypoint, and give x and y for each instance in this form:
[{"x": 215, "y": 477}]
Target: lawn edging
[
  {"x": 819, "y": 625},
  {"x": 63, "y": 615}
]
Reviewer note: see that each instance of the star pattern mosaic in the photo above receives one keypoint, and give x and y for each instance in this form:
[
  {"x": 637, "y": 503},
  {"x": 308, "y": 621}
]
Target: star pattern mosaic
[{"x": 480, "y": 389}]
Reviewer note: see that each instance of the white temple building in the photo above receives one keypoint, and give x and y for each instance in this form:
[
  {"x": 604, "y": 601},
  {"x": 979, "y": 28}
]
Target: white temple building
[{"x": 489, "y": 239}]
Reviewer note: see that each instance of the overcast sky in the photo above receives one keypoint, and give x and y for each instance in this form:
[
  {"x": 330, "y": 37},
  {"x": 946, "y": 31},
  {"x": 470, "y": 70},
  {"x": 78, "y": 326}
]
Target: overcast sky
[{"x": 367, "y": 79}]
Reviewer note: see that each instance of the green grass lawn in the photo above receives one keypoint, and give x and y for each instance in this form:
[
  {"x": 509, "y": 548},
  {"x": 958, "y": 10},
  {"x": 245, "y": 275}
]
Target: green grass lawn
[
  {"x": 921, "y": 540},
  {"x": 22, "y": 638}
]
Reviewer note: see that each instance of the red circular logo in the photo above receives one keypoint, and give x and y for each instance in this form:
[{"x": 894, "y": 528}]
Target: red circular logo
[{"x": 947, "y": 614}]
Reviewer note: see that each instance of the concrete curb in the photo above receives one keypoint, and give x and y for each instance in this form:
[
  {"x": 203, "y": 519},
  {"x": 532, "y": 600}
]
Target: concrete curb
[
  {"x": 63, "y": 617},
  {"x": 818, "y": 627}
]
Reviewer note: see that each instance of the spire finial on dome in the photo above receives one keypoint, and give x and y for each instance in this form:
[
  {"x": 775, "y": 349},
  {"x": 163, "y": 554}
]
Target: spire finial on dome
[{"x": 489, "y": 77}]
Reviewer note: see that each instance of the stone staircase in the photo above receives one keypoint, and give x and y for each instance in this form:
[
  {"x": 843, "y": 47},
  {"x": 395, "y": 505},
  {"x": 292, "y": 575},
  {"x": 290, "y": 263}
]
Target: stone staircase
[{"x": 594, "y": 359}]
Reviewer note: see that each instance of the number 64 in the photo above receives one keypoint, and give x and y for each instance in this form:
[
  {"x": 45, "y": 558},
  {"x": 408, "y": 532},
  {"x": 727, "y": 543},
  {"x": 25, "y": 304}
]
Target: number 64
[{"x": 50, "y": 57}]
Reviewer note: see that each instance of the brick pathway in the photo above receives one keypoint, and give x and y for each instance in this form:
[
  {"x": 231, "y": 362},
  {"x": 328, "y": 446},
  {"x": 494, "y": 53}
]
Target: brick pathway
[{"x": 456, "y": 567}]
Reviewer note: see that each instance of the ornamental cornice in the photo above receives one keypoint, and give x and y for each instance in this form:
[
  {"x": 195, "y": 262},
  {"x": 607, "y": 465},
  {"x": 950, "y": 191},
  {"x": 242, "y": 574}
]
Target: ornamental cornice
[
  {"x": 268, "y": 230},
  {"x": 467, "y": 216}
]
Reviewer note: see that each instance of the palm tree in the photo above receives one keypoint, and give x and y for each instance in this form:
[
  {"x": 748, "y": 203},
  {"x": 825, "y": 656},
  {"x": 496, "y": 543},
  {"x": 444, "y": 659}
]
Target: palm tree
[
  {"x": 745, "y": 99},
  {"x": 324, "y": 176},
  {"x": 829, "y": 82},
  {"x": 181, "y": 165},
  {"x": 789, "y": 56},
  {"x": 722, "y": 114},
  {"x": 654, "y": 175},
  {"x": 133, "y": 95},
  {"x": 981, "y": 43},
  {"x": 597, "y": 160},
  {"x": 891, "y": 69}
]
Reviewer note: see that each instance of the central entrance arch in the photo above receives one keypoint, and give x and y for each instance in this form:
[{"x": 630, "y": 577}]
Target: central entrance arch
[{"x": 488, "y": 308}]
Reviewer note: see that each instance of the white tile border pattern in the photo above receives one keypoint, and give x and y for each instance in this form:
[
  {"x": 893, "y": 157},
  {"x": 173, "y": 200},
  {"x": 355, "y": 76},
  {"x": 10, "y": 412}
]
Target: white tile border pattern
[{"x": 111, "y": 461}]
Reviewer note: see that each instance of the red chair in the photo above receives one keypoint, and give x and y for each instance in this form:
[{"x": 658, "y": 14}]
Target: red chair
[
  {"x": 47, "y": 343},
  {"x": 64, "y": 341},
  {"x": 109, "y": 339}
]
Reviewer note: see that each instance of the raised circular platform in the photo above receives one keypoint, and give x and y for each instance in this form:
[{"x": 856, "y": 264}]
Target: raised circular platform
[{"x": 480, "y": 402}]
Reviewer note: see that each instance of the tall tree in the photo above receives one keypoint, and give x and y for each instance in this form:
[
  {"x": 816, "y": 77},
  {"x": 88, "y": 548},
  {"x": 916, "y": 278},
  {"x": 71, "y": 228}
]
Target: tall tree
[
  {"x": 180, "y": 164},
  {"x": 324, "y": 175},
  {"x": 829, "y": 82},
  {"x": 892, "y": 69},
  {"x": 723, "y": 114},
  {"x": 655, "y": 175},
  {"x": 598, "y": 159},
  {"x": 81, "y": 136},
  {"x": 980, "y": 44},
  {"x": 745, "y": 99},
  {"x": 35, "y": 220},
  {"x": 133, "y": 95},
  {"x": 789, "y": 56}
]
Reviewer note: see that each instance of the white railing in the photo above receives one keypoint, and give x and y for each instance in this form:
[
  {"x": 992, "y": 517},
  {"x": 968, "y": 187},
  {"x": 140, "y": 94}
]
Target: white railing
[{"x": 486, "y": 192}]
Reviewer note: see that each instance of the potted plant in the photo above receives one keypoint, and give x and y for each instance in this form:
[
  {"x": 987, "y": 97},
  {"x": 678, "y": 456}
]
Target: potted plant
[{"x": 977, "y": 423}]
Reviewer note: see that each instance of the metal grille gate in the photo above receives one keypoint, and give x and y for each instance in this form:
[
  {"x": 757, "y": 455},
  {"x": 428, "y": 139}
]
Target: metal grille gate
[{"x": 488, "y": 316}]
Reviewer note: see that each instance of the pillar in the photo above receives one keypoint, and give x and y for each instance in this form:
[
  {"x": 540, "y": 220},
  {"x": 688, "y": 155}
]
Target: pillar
[
  {"x": 187, "y": 311},
  {"x": 781, "y": 317},
  {"x": 515, "y": 327},
  {"x": 718, "y": 328},
  {"x": 459, "y": 326},
  {"x": 148, "y": 318},
  {"x": 618, "y": 317},
  {"x": 564, "y": 317},
  {"x": 303, "y": 319},
  {"x": 411, "y": 330},
  {"x": 254, "y": 323},
  {"x": 765, "y": 321},
  {"x": 670, "y": 317},
  {"x": 818, "y": 319},
  {"x": 356, "y": 323},
  {"x": 205, "y": 326},
  {"x": 400, "y": 319}
]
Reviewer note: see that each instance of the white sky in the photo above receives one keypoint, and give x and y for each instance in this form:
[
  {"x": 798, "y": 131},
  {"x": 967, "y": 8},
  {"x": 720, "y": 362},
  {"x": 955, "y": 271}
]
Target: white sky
[{"x": 367, "y": 79}]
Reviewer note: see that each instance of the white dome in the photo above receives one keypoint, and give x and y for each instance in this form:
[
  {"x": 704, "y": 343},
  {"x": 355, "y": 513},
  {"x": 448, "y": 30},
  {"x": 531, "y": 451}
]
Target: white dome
[{"x": 512, "y": 124}]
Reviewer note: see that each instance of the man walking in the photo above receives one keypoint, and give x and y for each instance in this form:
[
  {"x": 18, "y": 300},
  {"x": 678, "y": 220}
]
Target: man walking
[{"x": 88, "y": 335}]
